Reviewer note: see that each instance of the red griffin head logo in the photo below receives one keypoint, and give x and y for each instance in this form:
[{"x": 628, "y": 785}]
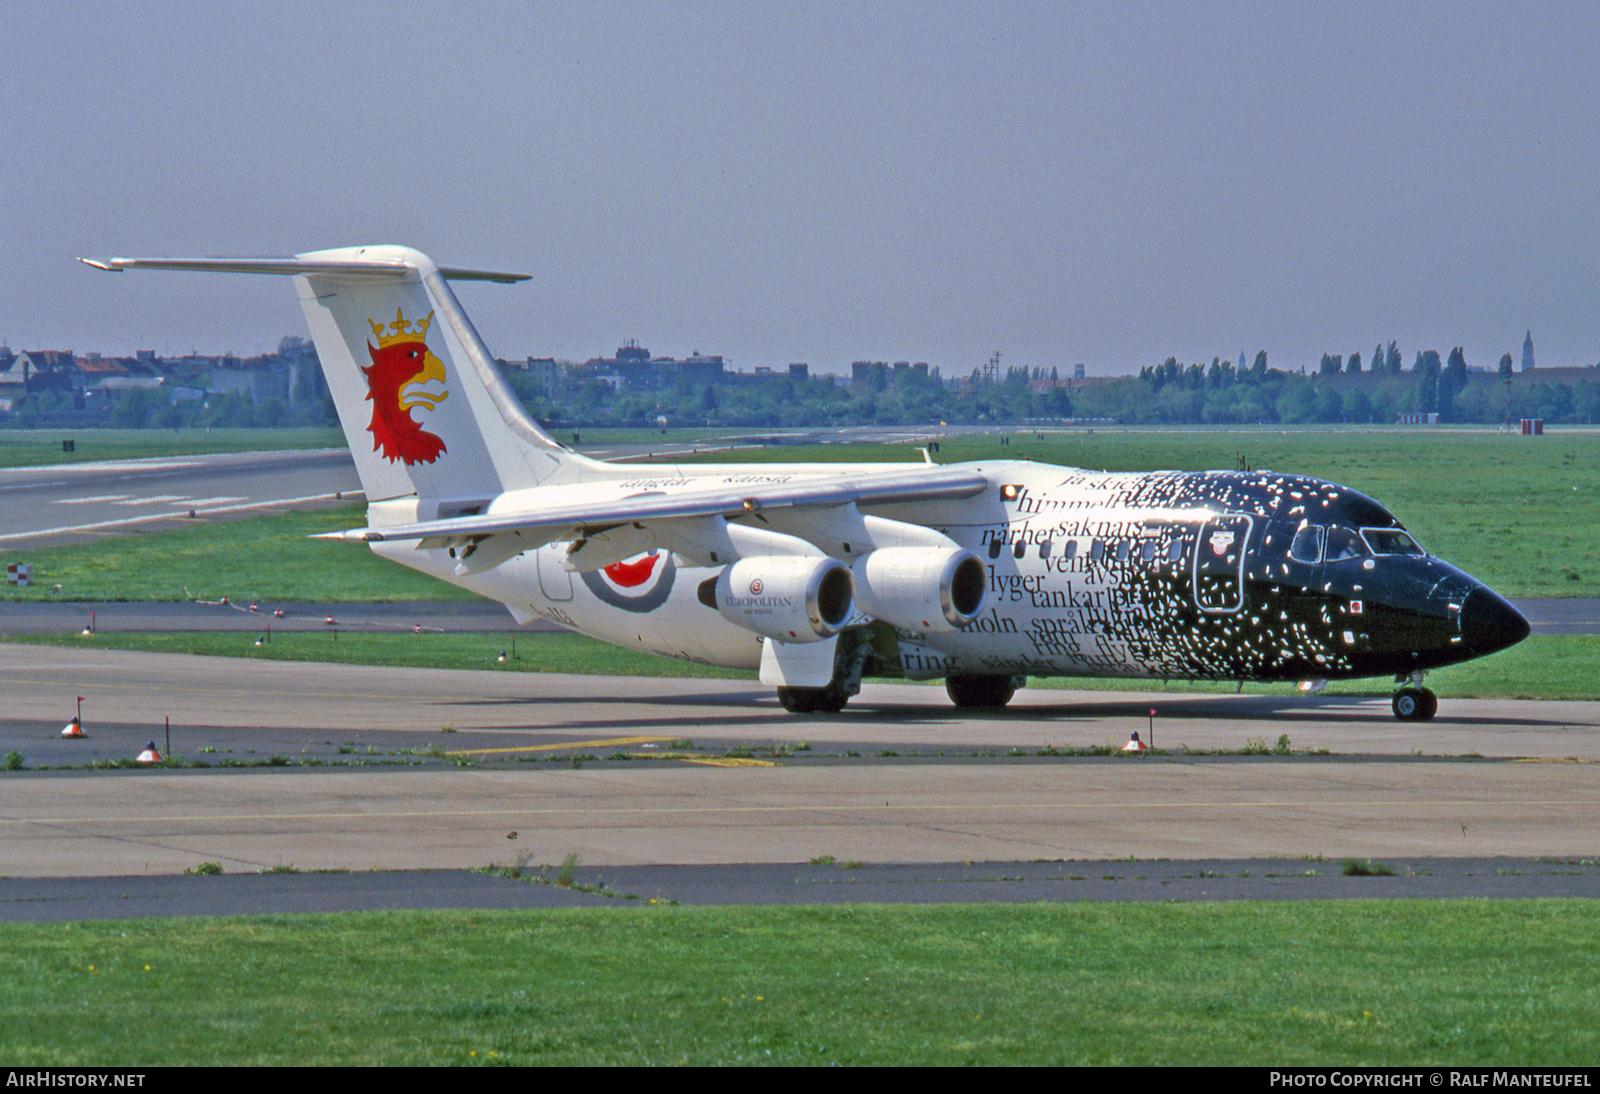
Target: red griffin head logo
[{"x": 401, "y": 365}]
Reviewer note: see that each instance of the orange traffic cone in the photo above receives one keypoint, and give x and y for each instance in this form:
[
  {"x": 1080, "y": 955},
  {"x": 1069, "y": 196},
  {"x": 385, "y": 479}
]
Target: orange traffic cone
[
  {"x": 74, "y": 728},
  {"x": 149, "y": 755}
]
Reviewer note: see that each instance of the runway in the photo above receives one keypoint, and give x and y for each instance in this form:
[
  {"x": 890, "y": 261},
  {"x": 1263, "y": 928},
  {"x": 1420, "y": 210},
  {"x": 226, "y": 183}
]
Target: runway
[{"x": 362, "y": 769}]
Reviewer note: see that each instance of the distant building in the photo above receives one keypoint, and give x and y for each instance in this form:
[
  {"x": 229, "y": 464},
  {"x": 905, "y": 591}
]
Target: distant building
[
  {"x": 861, "y": 371},
  {"x": 1527, "y": 352},
  {"x": 545, "y": 372},
  {"x": 93, "y": 379},
  {"x": 633, "y": 369},
  {"x": 703, "y": 369}
]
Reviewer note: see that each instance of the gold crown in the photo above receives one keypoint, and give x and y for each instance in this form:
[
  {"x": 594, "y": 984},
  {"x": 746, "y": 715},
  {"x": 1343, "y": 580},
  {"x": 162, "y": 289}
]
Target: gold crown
[{"x": 400, "y": 330}]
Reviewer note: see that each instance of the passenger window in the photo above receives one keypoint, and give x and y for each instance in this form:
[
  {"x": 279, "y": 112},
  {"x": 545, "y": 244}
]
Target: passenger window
[
  {"x": 1072, "y": 549},
  {"x": 1307, "y": 545},
  {"x": 1343, "y": 544},
  {"x": 1390, "y": 541},
  {"x": 1147, "y": 550},
  {"x": 1122, "y": 550},
  {"x": 1020, "y": 550},
  {"x": 1044, "y": 549},
  {"x": 1097, "y": 550},
  {"x": 1175, "y": 552}
]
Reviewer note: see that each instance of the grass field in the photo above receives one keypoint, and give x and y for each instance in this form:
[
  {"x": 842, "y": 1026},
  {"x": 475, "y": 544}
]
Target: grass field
[
  {"x": 1542, "y": 667},
  {"x": 1464, "y": 982}
]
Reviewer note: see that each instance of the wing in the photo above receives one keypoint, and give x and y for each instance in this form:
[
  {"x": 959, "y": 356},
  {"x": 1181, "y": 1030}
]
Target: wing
[{"x": 691, "y": 519}]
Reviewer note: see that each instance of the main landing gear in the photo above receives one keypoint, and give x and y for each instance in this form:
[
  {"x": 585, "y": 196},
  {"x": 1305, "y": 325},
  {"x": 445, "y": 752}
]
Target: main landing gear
[
  {"x": 828, "y": 700},
  {"x": 1414, "y": 703},
  {"x": 981, "y": 691},
  {"x": 850, "y": 659}
]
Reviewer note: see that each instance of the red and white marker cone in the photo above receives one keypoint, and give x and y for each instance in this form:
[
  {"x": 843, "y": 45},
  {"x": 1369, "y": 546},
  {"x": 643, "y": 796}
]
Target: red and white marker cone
[
  {"x": 1135, "y": 745},
  {"x": 74, "y": 728},
  {"x": 149, "y": 755}
]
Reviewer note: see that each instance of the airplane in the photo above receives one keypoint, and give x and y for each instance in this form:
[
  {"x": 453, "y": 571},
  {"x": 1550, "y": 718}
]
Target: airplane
[{"x": 819, "y": 575}]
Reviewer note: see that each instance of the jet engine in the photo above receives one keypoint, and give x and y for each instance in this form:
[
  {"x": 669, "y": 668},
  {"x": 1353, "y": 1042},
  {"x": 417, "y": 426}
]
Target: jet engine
[
  {"x": 792, "y": 598},
  {"x": 928, "y": 589}
]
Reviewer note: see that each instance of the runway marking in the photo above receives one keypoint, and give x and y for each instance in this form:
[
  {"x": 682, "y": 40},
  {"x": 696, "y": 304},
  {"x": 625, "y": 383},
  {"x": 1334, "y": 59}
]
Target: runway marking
[
  {"x": 1551, "y": 760},
  {"x": 757, "y": 810},
  {"x": 610, "y": 742},
  {"x": 195, "y": 503},
  {"x": 729, "y": 761},
  {"x": 90, "y": 501},
  {"x": 154, "y": 499}
]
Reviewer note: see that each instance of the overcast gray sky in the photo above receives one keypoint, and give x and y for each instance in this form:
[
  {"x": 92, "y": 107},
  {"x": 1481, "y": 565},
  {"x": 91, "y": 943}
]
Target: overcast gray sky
[{"x": 1104, "y": 183}]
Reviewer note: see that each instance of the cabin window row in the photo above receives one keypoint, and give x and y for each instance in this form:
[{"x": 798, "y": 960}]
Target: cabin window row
[{"x": 1100, "y": 550}]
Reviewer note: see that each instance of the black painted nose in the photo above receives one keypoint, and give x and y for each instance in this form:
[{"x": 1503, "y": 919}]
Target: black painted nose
[{"x": 1489, "y": 623}]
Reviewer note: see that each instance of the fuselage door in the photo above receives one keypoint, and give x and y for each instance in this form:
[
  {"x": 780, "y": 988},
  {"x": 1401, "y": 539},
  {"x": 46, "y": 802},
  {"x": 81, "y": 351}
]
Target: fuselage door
[
  {"x": 555, "y": 581},
  {"x": 1219, "y": 563}
]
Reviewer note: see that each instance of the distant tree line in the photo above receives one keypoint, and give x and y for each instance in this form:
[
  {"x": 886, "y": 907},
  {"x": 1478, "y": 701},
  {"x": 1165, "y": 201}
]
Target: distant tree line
[
  {"x": 155, "y": 408},
  {"x": 1339, "y": 392}
]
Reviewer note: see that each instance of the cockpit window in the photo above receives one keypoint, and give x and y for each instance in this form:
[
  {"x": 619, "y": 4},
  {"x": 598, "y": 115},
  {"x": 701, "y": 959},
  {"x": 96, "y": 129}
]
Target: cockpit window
[
  {"x": 1390, "y": 541},
  {"x": 1344, "y": 543},
  {"x": 1307, "y": 544}
]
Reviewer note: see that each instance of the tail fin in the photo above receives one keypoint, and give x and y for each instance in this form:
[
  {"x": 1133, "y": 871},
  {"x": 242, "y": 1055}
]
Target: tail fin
[{"x": 425, "y": 409}]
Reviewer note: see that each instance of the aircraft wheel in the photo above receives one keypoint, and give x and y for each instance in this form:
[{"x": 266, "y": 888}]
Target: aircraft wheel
[
  {"x": 812, "y": 700},
  {"x": 1414, "y": 704},
  {"x": 980, "y": 691}
]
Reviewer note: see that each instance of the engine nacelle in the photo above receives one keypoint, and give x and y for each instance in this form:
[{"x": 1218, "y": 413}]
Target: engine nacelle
[
  {"x": 793, "y": 598},
  {"x": 928, "y": 589}
]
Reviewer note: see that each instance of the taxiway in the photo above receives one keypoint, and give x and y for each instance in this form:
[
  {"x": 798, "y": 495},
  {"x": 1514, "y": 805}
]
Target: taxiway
[{"x": 339, "y": 767}]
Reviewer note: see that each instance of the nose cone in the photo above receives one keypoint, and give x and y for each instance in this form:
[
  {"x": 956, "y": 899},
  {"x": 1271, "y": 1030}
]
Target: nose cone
[{"x": 1489, "y": 623}]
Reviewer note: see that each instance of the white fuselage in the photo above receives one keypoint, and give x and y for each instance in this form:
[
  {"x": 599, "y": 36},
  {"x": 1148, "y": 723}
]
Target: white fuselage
[{"x": 1072, "y": 558}]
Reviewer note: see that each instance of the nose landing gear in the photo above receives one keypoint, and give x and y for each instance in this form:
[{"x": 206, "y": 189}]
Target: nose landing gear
[{"x": 1414, "y": 703}]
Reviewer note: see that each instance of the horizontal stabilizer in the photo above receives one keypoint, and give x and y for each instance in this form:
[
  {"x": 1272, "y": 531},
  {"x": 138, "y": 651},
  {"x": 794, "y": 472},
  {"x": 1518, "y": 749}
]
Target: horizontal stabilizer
[{"x": 341, "y": 267}]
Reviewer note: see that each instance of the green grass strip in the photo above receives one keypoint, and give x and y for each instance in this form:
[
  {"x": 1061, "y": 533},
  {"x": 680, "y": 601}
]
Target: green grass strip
[
  {"x": 1359, "y": 982},
  {"x": 534, "y": 652}
]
